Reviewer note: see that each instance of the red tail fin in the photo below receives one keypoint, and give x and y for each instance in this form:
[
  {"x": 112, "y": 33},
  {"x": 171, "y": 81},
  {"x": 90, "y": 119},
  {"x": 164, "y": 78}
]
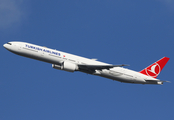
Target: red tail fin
[{"x": 155, "y": 69}]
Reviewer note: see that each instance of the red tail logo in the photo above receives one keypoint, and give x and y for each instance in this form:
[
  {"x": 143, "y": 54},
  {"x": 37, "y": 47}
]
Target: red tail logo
[{"x": 154, "y": 69}]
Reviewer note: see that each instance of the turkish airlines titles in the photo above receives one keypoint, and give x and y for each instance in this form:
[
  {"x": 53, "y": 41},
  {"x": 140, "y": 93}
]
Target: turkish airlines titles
[{"x": 44, "y": 50}]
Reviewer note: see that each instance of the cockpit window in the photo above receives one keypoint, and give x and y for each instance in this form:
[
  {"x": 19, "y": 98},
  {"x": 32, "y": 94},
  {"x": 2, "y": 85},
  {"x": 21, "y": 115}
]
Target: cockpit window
[{"x": 9, "y": 43}]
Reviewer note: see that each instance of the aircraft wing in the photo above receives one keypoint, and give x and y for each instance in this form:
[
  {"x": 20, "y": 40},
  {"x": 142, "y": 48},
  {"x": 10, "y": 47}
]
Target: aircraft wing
[{"x": 99, "y": 67}]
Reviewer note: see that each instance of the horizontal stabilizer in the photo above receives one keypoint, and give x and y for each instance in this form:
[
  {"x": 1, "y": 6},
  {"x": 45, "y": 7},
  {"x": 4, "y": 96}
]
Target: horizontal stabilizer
[{"x": 156, "y": 81}]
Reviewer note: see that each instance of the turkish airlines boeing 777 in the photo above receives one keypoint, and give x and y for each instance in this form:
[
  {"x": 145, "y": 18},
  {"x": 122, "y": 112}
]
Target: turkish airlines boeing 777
[{"x": 68, "y": 62}]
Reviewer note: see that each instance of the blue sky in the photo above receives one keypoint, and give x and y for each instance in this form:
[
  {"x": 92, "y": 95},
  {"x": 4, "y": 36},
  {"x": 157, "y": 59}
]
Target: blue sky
[{"x": 118, "y": 32}]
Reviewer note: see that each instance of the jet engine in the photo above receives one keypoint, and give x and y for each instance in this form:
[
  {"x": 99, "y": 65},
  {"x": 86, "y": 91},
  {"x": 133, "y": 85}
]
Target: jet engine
[{"x": 67, "y": 66}]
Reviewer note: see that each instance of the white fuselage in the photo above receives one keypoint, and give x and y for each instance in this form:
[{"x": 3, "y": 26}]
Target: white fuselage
[{"x": 56, "y": 58}]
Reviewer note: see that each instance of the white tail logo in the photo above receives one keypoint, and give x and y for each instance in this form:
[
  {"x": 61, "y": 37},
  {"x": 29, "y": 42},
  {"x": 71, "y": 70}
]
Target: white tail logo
[{"x": 154, "y": 70}]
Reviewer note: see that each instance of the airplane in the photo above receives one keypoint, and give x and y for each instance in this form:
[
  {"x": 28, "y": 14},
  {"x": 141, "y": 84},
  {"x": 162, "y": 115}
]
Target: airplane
[{"x": 71, "y": 63}]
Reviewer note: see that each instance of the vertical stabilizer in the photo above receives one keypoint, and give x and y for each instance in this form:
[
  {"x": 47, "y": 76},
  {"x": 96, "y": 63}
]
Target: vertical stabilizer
[{"x": 155, "y": 69}]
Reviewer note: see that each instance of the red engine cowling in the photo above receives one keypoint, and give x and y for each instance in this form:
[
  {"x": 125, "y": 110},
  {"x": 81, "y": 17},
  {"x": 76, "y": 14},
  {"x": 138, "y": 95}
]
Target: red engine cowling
[{"x": 67, "y": 66}]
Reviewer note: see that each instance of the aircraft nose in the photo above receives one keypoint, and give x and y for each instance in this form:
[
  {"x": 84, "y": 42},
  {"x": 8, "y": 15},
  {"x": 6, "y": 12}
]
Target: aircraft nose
[
  {"x": 7, "y": 46},
  {"x": 4, "y": 45}
]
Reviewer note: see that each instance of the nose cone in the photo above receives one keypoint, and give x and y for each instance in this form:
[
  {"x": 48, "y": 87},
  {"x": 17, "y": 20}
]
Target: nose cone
[
  {"x": 4, "y": 45},
  {"x": 7, "y": 46}
]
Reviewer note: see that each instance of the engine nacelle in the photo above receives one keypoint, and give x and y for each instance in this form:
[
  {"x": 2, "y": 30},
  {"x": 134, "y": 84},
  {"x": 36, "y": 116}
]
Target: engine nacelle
[
  {"x": 56, "y": 66},
  {"x": 67, "y": 66}
]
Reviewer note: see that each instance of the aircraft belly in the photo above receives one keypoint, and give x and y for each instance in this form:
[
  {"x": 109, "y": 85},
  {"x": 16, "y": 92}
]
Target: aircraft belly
[
  {"x": 114, "y": 76},
  {"x": 118, "y": 76}
]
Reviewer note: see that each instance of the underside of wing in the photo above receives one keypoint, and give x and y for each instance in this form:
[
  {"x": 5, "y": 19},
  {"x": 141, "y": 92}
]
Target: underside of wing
[{"x": 92, "y": 68}]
